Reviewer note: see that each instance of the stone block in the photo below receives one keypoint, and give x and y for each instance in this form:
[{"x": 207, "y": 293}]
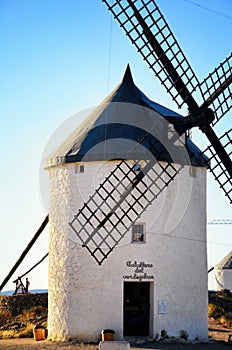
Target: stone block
[{"x": 114, "y": 345}]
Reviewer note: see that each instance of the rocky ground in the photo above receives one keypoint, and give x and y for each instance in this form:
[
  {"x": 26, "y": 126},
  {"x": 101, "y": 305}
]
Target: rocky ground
[
  {"x": 19, "y": 327},
  {"x": 218, "y": 340}
]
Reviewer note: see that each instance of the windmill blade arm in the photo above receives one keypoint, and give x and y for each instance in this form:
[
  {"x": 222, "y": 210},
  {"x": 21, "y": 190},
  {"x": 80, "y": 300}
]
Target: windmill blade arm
[
  {"x": 212, "y": 137},
  {"x": 148, "y": 30},
  {"x": 104, "y": 220},
  {"x": 219, "y": 153},
  {"x": 216, "y": 89},
  {"x": 26, "y": 250}
]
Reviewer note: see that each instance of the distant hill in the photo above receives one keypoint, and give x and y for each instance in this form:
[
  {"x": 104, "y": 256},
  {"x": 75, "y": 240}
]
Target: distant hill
[{"x": 33, "y": 291}]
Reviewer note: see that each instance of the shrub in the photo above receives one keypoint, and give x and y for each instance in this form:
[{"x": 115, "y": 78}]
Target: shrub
[
  {"x": 184, "y": 334},
  {"x": 228, "y": 315},
  {"x": 33, "y": 312},
  {"x": 4, "y": 316},
  {"x": 215, "y": 311},
  {"x": 7, "y": 334},
  {"x": 37, "y": 310},
  {"x": 163, "y": 334},
  {"x": 225, "y": 293},
  {"x": 226, "y": 320},
  {"x": 5, "y": 313},
  {"x": 27, "y": 332}
]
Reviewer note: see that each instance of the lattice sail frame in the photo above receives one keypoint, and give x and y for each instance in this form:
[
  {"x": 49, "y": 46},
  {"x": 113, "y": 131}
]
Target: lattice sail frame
[
  {"x": 97, "y": 223},
  {"x": 149, "y": 32},
  {"x": 216, "y": 166},
  {"x": 160, "y": 30},
  {"x": 108, "y": 215},
  {"x": 125, "y": 194},
  {"x": 221, "y": 103}
]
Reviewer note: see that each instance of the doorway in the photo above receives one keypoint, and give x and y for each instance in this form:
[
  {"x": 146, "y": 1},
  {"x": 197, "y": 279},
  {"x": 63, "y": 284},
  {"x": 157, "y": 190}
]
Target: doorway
[{"x": 136, "y": 308}]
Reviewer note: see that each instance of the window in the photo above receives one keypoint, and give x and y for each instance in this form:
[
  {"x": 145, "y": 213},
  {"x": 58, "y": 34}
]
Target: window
[
  {"x": 138, "y": 233},
  {"x": 192, "y": 171},
  {"x": 136, "y": 167},
  {"x": 79, "y": 168}
]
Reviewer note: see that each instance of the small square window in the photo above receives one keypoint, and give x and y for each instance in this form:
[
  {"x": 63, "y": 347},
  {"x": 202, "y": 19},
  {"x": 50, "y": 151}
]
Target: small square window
[
  {"x": 138, "y": 233},
  {"x": 136, "y": 167},
  {"x": 79, "y": 168},
  {"x": 192, "y": 171}
]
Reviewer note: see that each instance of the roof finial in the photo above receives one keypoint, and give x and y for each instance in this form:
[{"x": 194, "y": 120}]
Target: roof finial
[{"x": 127, "y": 78}]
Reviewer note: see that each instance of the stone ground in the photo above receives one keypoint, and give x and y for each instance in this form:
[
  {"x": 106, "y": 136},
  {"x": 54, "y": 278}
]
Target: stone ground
[{"x": 217, "y": 333}]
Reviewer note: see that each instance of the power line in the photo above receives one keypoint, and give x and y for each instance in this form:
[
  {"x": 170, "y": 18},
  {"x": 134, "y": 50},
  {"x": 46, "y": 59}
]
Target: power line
[
  {"x": 189, "y": 239},
  {"x": 208, "y": 9},
  {"x": 220, "y": 222},
  {"x": 219, "y": 243}
]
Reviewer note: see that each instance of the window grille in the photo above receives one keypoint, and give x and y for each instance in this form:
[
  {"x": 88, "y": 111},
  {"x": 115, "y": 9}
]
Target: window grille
[{"x": 138, "y": 234}]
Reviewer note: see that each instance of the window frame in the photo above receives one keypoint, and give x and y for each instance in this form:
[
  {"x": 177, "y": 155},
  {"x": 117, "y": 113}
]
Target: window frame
[{"x": 135, "y": 236}]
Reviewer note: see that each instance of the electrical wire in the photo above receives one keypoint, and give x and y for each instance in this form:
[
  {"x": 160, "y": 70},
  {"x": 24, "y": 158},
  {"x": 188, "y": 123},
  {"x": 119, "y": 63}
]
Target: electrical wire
[
  {"x": 109, "y": 55},
  {"x": 208, "y": 9}
]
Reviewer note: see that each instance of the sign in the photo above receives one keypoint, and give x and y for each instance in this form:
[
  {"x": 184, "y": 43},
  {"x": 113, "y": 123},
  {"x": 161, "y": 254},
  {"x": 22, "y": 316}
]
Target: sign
[
  {"x": 162, "y": 307},
  {"x": 139, "y": 271}
]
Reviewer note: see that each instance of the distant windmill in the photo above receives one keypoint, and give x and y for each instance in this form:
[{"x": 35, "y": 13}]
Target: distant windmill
[{"x": 219, "y": 222}]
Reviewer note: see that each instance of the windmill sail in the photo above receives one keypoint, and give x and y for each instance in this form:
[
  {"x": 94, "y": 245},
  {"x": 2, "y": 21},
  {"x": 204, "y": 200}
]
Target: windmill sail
[
  {"x": 155, "y": 155},
  {"x": 217, "y": 168},
  {"x": 147, "y": 29},
  {"x": 216, "y": 89},
  {"x": 107, "y": 216}
]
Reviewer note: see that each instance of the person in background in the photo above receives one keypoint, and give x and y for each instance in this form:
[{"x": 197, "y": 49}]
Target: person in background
[{"x": 27, "y": 285}]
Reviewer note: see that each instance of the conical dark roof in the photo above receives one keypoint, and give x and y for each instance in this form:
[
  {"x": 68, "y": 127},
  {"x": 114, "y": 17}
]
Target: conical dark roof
[
  {"x": 128, "y": 92},
  {"x": 126, "y": 125}
]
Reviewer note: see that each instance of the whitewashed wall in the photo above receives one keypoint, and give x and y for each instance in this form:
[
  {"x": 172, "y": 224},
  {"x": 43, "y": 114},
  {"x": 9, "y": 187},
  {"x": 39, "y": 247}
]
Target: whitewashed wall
[
  {"x": 223, "y": 279},
  {"x": 85, "y": 298}
]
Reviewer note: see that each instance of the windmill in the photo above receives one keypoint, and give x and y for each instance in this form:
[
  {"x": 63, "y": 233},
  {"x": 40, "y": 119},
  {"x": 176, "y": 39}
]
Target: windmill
[
  {"x": 149, "y": 32},
  {"x": 219, "y": 222},
  {"x": 147, "y": 29},
  {"x": 105, "y": 198}
]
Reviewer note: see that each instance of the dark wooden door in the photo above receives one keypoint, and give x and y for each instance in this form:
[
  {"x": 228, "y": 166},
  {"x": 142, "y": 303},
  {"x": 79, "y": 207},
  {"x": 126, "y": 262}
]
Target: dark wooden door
[{"x": 136, "y": 308}]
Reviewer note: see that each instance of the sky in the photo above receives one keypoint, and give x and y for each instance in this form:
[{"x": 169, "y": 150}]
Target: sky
[{"x": 59, "y": 58}]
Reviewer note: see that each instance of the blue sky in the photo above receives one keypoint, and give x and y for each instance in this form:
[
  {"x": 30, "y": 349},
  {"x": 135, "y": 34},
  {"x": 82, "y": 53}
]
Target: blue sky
[{"x": 59, "y": 58}]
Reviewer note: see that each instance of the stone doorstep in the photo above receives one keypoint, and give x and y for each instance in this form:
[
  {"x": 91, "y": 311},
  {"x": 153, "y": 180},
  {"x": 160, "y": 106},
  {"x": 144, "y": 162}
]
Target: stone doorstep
[{"x": 114, "y": 345}]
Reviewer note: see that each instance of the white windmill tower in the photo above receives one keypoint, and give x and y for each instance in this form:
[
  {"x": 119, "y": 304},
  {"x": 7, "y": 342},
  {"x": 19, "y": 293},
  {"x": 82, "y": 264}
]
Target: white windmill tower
[{"x": 118, "y": 258}]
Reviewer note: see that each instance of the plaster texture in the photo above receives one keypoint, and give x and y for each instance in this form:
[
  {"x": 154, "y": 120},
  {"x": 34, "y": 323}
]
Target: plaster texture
[{"x": 85, "y": 298}]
